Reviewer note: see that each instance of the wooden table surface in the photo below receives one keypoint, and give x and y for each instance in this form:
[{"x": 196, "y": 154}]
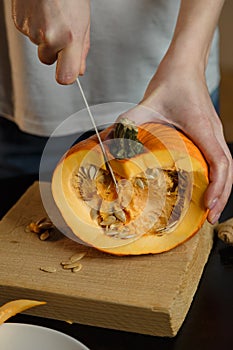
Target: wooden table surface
[{"x": 208, "y": 325}]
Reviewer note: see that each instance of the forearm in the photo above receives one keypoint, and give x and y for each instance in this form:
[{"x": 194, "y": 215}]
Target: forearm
[{"x": 194, "y": 30}]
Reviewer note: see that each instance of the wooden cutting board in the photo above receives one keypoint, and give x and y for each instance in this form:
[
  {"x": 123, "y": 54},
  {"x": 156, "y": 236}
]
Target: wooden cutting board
[{"x": 144, "y": 294}]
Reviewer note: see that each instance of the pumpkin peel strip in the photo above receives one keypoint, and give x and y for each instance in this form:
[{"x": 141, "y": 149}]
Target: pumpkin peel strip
[{"x": 16, "y": 306}]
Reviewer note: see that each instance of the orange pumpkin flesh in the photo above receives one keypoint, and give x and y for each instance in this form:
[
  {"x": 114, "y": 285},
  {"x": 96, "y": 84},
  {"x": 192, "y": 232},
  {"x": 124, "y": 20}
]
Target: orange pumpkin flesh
[{"x": 158, "y": 214}]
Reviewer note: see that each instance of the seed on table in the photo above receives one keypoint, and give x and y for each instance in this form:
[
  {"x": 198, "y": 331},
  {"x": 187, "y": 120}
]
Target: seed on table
[
  {"x": 49, "y": 269},
  {"x": 38, "y": 222},
  {"x": 45, "y": 225},
  {"x": 77, "y": 268},
  {"x": 77, "y": 257},
  {"x": 33, "y": 227},
  {"x": 65, "y": 262},
  {"x": 44, "y": 236},
  {"x": 71, "y": 265},
  {"x": 73, "y": 259}
]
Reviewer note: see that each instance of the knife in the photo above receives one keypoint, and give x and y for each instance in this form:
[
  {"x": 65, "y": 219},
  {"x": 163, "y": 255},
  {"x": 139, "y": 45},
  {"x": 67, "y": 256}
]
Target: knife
[{"x": 98, "y": 136}]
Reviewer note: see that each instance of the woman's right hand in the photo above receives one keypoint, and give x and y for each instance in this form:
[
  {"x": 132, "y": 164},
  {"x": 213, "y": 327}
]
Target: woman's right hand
[{"x": 60, "y": 29}]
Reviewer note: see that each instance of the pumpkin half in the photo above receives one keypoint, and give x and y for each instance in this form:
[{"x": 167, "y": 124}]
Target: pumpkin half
[{"x": 161, "y": 177}]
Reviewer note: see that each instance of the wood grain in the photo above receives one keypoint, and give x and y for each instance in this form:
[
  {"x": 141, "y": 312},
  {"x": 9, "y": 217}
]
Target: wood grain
[{"x": 144, "y": 294}]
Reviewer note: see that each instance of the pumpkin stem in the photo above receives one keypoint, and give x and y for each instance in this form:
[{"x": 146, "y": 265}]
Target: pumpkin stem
[{"x": 125, "y": 143}]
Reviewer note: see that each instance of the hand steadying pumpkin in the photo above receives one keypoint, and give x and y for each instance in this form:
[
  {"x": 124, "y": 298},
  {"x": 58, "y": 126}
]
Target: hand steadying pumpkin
[
  {"x": 187, "y": 105},
  {"x": 61, "y": 29},
  {"x": 178, "y": 92}
]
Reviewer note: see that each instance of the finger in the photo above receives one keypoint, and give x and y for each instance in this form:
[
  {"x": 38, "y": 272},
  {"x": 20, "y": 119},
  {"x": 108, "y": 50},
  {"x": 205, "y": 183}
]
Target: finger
[
  {"x": 68, "y": 64},
  {"x": 47, "y": 54},
  {"x": 52, "y": 43},
  {"x": 86, "y": 47},
  {"x": 215, "y": 213},
  {"x": 218, "y": 174},
  {"x": 219, "y": 203}
]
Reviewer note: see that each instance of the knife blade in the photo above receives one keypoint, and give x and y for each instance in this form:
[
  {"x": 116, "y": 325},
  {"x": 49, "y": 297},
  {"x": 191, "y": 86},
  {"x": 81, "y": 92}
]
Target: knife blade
[{"x": 98, "y": 136}]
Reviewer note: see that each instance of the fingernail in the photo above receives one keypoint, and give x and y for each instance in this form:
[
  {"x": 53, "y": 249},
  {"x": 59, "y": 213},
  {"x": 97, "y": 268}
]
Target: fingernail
[
  {"x": 214, "y": 219},
  {"x": 212, "y": 203},
  {"x": 65, "y": 79}
]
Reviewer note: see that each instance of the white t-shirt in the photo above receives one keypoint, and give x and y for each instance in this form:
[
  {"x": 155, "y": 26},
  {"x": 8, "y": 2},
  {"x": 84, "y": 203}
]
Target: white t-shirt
[{"x": 128, "y": 40}]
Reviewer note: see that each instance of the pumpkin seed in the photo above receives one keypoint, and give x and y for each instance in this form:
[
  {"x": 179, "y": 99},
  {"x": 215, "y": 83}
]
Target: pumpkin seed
[
  {"x": 40, "y": 221},
  {"x": 45, "y": 225},
  {"x": 94, "y": 213},
  {"x": 77, "y": 268},
  {"x": 71, "y": 265},
  {"x": 83, "y": 172},
  {"x": 74, "y": 258},
  {"x": 92, "y": 172},
  {"x": 150, "y": 177},
  {"x": 108, "y": 221},
  {"x": 77, "y": 257},
  {"x": 49, "y": 269},
  {"x": 126, "y": 235},
  {"x": 115, "y": 226},
  {"x": 111, "y": 233},
  {"x": 65, "y": 262},
  {"x": 44, "y": 236},
  {"x": 119, "y": 214},
  {"x": 139, "y": 183},
  {"x": 33, "y": 227},
  {"x": 155, "y": 172}
]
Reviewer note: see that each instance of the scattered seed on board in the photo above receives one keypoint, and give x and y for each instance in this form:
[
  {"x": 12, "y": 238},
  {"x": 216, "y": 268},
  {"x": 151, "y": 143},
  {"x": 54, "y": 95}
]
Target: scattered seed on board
[
  {"x": 45, "y": 235},
  {"x": 45, "y": 225},
  {"x": 39, "y": 226},
  {"x": 33, "y": 227},
  {"x": 77, "y": 257},
  {"x": 65, "y": 262},
  {"x": 49, "y": 269},
  {"x": 71, "y": 265},
  {"x": 38, "y": 222},
  {"x": 77, "y": 268},
  {"x": 74, "y": 258}
]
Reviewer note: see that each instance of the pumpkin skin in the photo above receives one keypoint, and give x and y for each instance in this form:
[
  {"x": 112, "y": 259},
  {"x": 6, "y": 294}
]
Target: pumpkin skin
[
  {"x": 165, "y": 148},
  {"x": 16, "y": 306}
]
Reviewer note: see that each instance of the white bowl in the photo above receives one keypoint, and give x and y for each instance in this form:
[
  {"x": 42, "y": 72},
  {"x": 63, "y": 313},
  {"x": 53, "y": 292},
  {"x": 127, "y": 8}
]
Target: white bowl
[{"x": 18, "y": 336}]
